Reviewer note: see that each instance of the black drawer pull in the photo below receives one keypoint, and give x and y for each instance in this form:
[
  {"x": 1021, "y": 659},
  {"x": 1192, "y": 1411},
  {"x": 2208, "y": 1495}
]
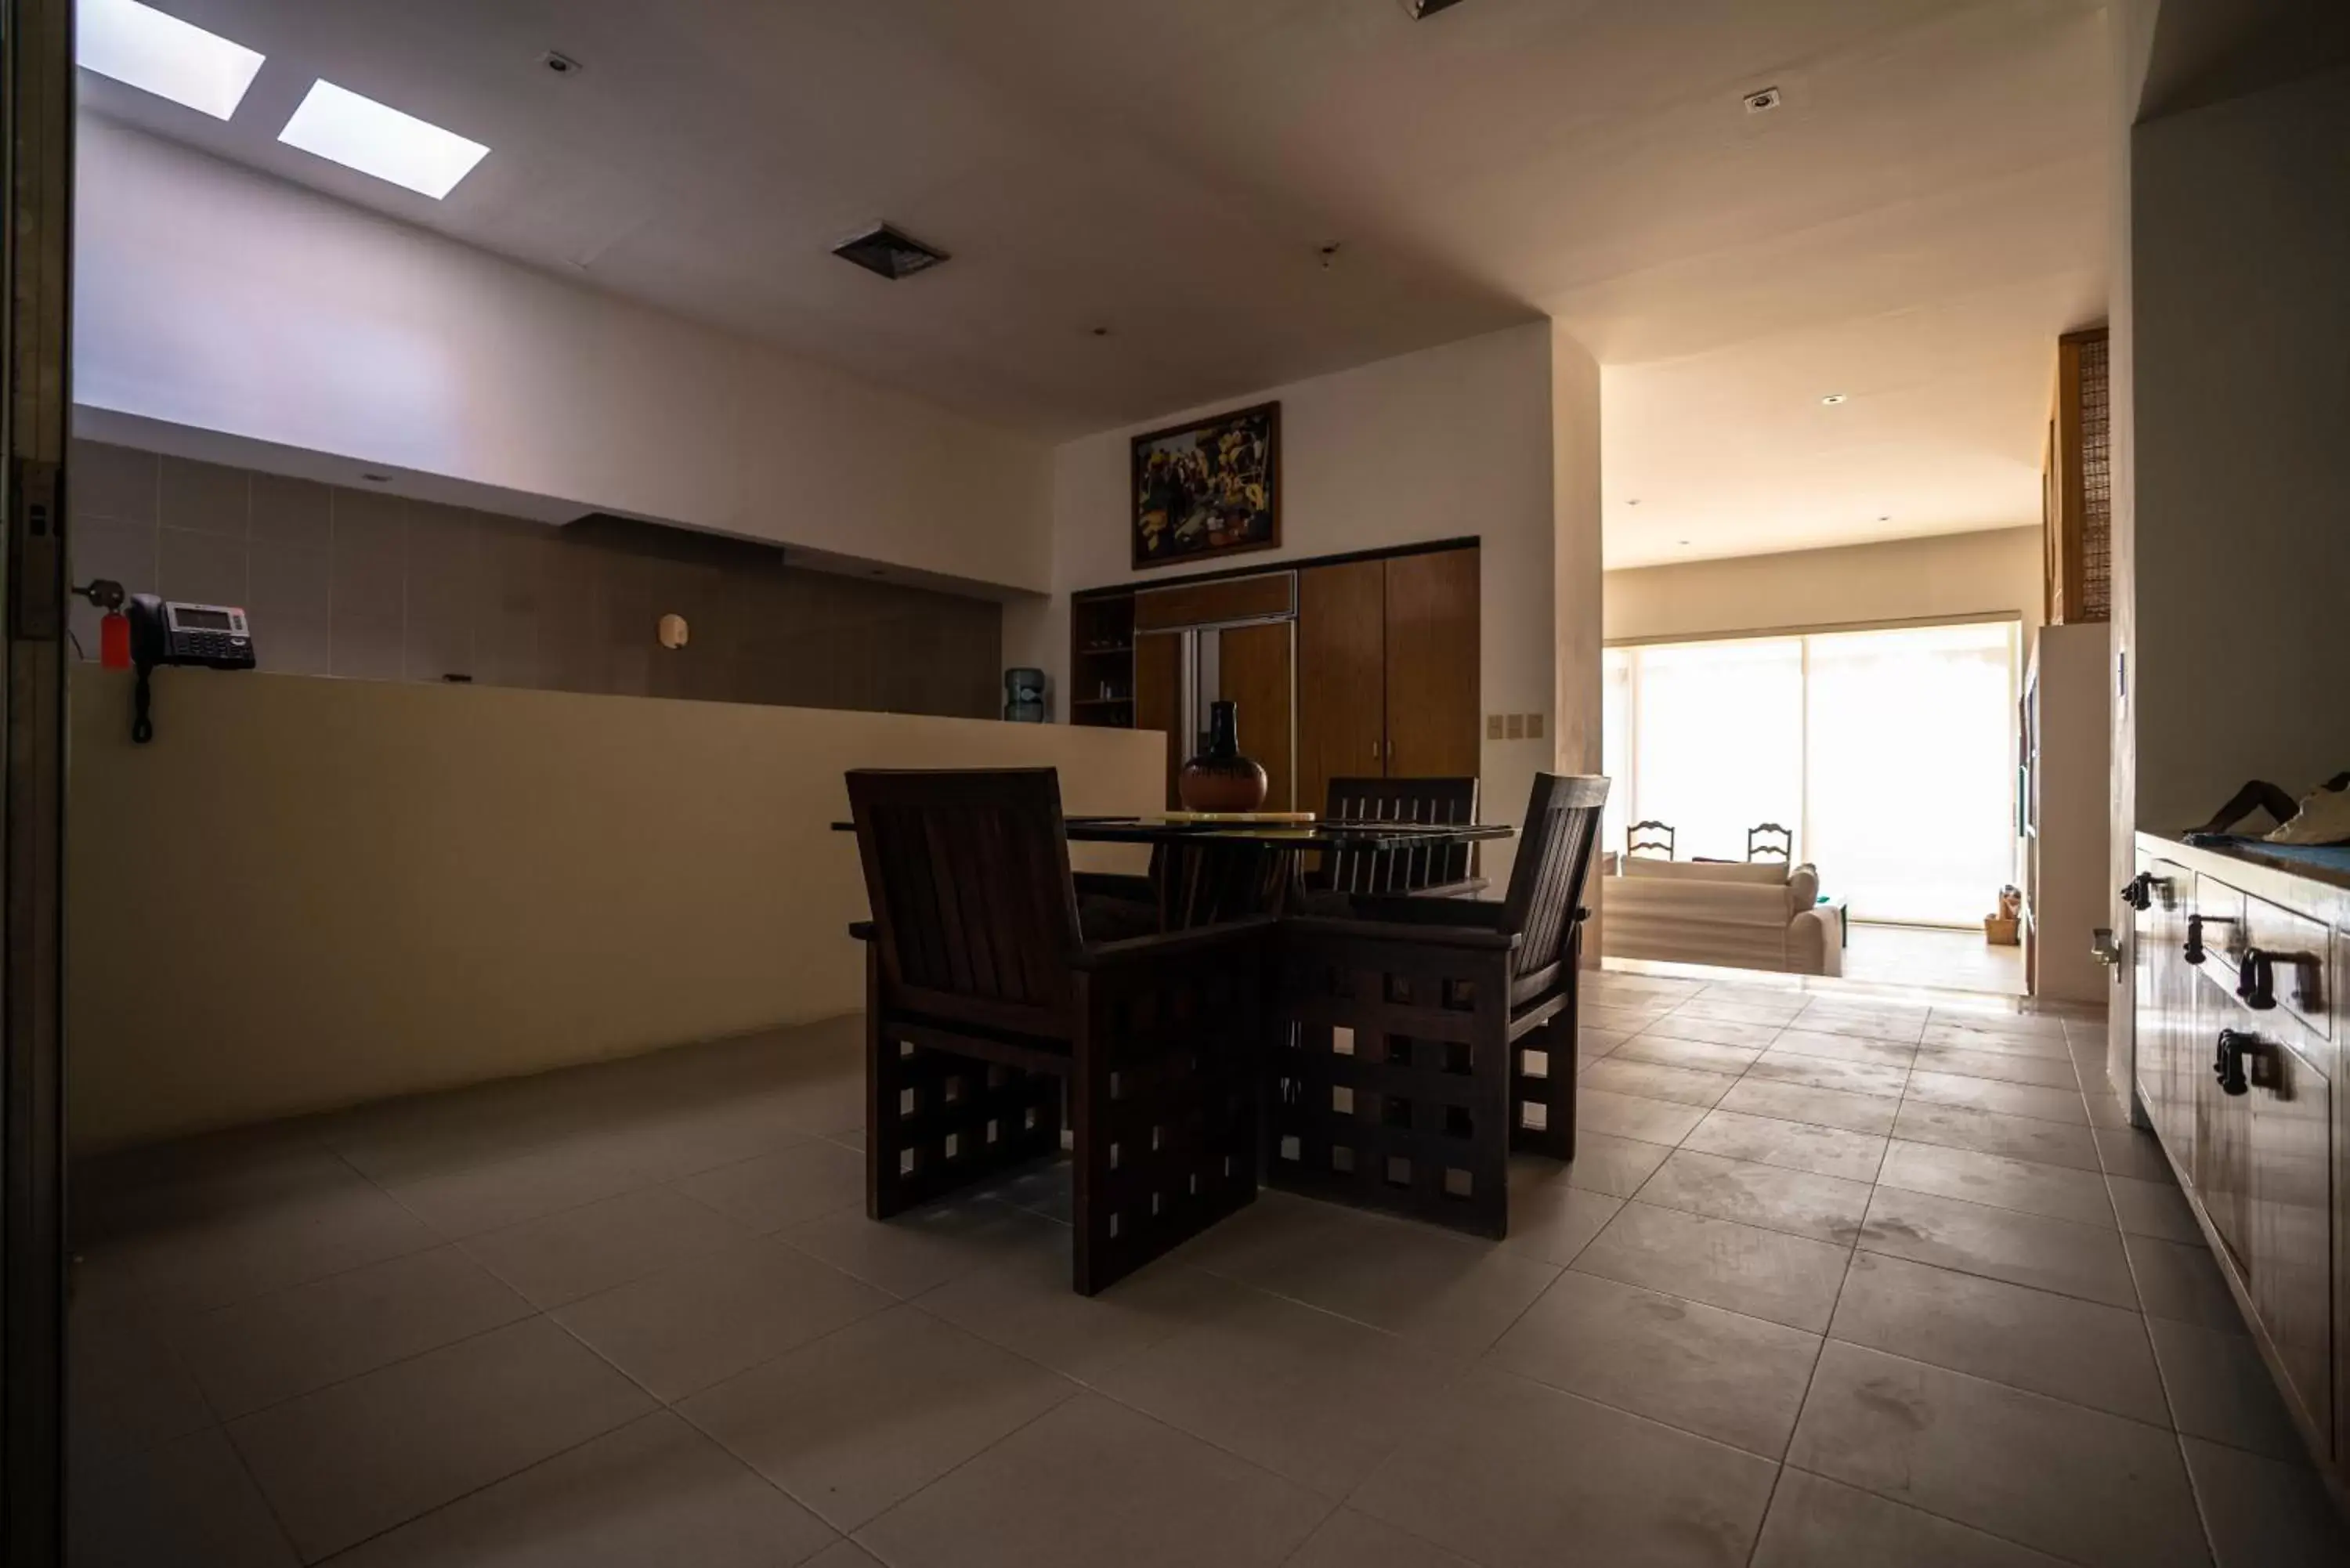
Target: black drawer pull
[
  {"x": 2194, "y": 952},
  {"x": 2256, "y": 981},
  {"x": 2139, "y": 891},
  {"x": 2228, "y": 1064}
]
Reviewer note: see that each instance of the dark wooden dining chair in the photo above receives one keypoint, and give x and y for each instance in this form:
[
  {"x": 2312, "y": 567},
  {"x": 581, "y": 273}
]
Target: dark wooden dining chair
[
  {"x": 1421, "y": 1039},
  {"x": 1445, "y": 868},
  {"x": 985, "y": 1002},
  {"x": 1649, "y": 836},
  {"x": 1760, "y": 837}
]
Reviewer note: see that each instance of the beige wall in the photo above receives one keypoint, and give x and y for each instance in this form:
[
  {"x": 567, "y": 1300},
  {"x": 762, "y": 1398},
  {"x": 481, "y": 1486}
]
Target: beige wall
[
  {"x": 1994, "y": 573},
  {"x": 1451, "y": 441},
  {"x": 308, "y": 893},
  {"x": 365, "y": 582},
  {"x": 214, "y": 297}
]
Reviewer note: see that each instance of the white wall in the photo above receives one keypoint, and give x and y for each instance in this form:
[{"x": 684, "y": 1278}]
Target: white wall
[
  {"x": 1990, "y": 574},
  {"x": 214, "y": 297},
  {"x": 2240, "y": 547},
  {"x": 1447, "y": 442}
]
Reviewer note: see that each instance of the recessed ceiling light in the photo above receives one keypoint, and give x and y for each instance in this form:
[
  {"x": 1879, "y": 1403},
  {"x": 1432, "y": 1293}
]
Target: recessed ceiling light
[
  {"x": 1632, "y": 503},
  {"x": 162, "y": 55},
  {"x": 1832, "y": 399},
  {"x": 376, "y": 138}
]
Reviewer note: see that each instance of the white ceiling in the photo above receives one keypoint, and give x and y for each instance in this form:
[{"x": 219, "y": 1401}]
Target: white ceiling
[{"x": 1912, "y": 229}]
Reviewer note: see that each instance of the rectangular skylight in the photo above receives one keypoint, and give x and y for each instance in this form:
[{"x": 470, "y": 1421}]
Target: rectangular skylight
[
  {"x": 376, "y": 138},
  {"x": 162, "y": 55}
]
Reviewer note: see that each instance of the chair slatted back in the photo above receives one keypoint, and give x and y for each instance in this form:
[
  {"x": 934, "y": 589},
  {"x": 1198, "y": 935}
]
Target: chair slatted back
[
  {"x": 1649, "y": 836},
  {"x": 1553, "y": 856},
  {"x": 974, "y": 910},
  {"x": 1431, "y": 800},
  {"x": 1760, "y": 841}
]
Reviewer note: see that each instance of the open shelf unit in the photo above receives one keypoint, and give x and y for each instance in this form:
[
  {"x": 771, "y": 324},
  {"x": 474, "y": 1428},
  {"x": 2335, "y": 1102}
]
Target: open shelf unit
[{"x": 1101, "y": 659}]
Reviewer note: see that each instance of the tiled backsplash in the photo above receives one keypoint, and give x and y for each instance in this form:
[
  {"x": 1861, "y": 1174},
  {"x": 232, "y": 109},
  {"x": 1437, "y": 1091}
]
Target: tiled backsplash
[{"x": 366, "y": 583}]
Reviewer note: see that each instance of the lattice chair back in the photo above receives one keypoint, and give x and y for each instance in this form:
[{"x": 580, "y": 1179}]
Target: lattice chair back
[
  {"x": 1649, "y": 835},
  {"x": 1553, "y": 856},
  {"x": 1770, "y": 838},
  {"x": 1430, "y": 800},
  {"x": 974, "y": 911}
]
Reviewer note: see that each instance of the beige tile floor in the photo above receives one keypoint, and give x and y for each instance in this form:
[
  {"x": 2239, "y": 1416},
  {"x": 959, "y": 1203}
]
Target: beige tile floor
[{"x": 1836, "y": 1279}]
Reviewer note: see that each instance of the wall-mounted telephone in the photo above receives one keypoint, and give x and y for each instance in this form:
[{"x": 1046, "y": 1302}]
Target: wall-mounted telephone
[{"x": 163, "y": 631}]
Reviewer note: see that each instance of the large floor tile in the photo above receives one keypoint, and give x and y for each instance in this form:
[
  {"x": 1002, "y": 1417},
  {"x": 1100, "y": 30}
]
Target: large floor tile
[
  {"x": 2093, "y": 1488},
  {"x": 2060, "y": 1345},
  {"x": 2005, "y": 1035},
  {"x": 1025, "y": 1305},
  {"x": 1551, "y": 1218},
  {"x": 1318, "y": 1400},
  {"x": 1607, "y": 1163},
  {"x": 1844, "y": 1047},
  {"x": 1776, "y": 1067},
  {"x": 1697, "y": 1055},
  {"x": 2006, "y": 1098},
  {"x": 1896, "y": 1025},
  {"x": 2000, "y": 1244},
  {"x": 1988, "y": 1132},
  {"x": 1095, "y": 1483},
  {"x": 188, "y": 1500},
  {"x": 1655, "y": 1081},
  {"x": 1751, "y": 1007},
  {"x": 2182, "y": 1280},
  {"x": 2000, "y": 1066},
  {"x": 1487, "y": 1480},
  {"x": 858, "y": 1421},
  {"x": 1448, "y": 1292},
  {"x": 127, "y": 1388},
  {"x": 1351, "y": 1539},
  {"x": 1796, "y": 1145},
  {"x": 920, "y": 1250},
  {"x": 1816, "y": 1522},
  {"x": 1720, "y": 1374},
  {"x": 2154, "y": 1209},
  {"x": 1824, "y": 1208},
  {"x": 2057, "y": 1191},
  {"x": 1624, "y": 1016},
  {"x": 785, "y": 1188},
  {"x": 562, "y": 1257},
  {"x": 1681, "y": 1026},
  {"x": 1821, "y": 1107},
  {"x": 1770, "y": 1274},
  {"x": 347, "y": 1461},
  {"x": 655, "y": 1491},
  {"x": 1633, "y": 1116},
  {"x": 700, "y": 1321},
  {"x": 258, "y": 1352},
  {"x": 2221, "y": 1389},
  {"x": 2264, "y": 1514},
  {"x": 2130, "y": 1151},
  {"x": 483, "y": 1198}
]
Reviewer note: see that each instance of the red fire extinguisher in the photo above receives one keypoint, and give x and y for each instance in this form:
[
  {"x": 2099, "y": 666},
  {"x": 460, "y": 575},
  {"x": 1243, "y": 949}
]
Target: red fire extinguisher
[{"x": 114, "y": 630}]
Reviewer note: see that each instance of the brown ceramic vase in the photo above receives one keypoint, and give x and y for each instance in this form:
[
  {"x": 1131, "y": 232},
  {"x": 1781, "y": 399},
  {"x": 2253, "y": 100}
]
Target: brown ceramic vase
[{"x": 1220, "y": 778}]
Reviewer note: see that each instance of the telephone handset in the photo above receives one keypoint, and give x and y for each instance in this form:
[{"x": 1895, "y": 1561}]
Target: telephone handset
[{"x": 162, "y": 631}]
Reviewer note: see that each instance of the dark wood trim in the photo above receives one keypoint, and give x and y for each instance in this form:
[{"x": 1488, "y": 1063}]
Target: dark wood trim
[{"x": 1419, "y": 547}]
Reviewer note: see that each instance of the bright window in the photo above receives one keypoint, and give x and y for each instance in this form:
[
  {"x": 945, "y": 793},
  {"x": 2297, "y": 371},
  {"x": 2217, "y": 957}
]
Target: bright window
[{"x": 1889, "y": 753}]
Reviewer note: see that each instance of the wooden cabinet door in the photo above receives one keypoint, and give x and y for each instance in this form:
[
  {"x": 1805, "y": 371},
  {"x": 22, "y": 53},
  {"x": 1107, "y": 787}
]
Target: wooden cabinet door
[
  {"x": 1159, "y": 696},
  {"x": 1432, "y": 697},
  {"x": 1254, "y": 672},
  {"x": 2290, "y": 1260},
  {"x": 1342, "y": 677}
]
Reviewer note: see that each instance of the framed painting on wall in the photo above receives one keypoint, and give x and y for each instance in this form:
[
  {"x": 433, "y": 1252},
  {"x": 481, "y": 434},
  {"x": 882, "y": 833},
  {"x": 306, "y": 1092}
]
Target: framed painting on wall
[{"x": 1211, "y": 487}]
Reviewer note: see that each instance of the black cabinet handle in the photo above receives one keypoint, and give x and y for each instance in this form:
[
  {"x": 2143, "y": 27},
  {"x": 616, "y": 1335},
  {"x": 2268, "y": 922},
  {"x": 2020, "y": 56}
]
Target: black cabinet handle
[
  {"x": 2139, "y": 891},
  {"x": 2194, "y": 951},
  {"x": 2256, "y": 981},
  {"x": 2228, "y": 1063}
]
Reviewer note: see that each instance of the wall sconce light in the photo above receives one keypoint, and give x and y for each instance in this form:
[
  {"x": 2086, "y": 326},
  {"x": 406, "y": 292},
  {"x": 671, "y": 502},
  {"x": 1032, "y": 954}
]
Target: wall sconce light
[{"x": 673, "y": 631}]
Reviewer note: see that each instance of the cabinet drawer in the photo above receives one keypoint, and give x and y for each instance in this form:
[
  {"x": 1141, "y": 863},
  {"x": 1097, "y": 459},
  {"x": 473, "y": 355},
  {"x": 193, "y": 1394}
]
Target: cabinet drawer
[
  {"x": 2299, "y": 951},
  {"x": 2221, "y": 909}
]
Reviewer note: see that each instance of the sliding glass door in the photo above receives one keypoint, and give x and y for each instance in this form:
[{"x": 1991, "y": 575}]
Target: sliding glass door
[{"x": 1889, "y": 754}]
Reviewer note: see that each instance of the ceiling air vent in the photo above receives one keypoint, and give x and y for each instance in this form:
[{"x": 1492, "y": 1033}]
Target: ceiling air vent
[{"x": 889, "y": 253}]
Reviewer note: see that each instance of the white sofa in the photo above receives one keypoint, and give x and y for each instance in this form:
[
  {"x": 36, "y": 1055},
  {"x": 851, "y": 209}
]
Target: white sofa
[{"x": 1764, "y": 914}]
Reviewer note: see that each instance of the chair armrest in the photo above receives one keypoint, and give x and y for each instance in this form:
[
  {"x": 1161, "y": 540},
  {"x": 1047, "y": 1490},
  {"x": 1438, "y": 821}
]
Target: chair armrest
[
  {"x": 1464, "y": 935},
  {"x": 1109, "y": 885},
  {"x": 1424, "y": 908},
  {"x": 1172, "y": 944}
]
